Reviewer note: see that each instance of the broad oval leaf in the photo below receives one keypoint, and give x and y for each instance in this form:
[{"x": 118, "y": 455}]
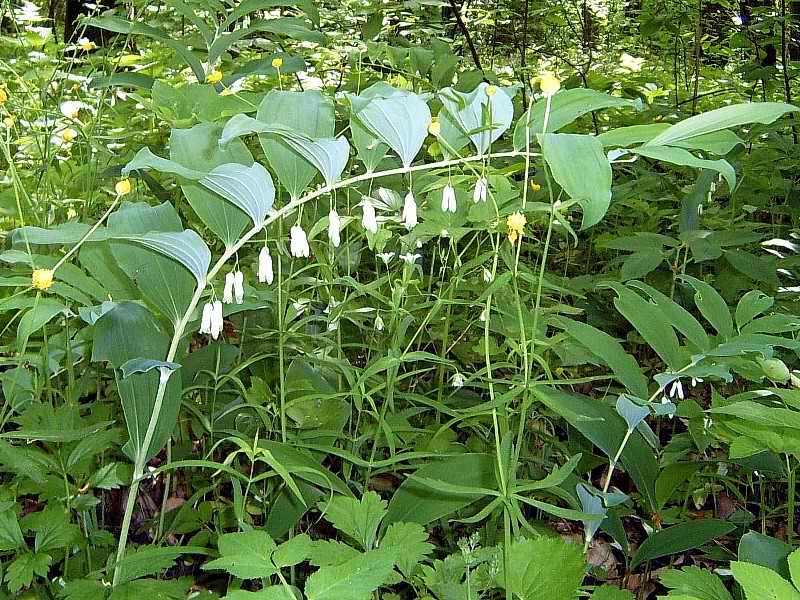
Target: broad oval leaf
[
  {"x": 185, "y": 247},
  {"x": 480, "y": 117},
  {"x": 679, "y": 538},
  {"x": 581, "y": 168},
  {"x": 722, "y": 118},
  {"x": 401, "y": 122},
  {"x": 249, "y": 188}
]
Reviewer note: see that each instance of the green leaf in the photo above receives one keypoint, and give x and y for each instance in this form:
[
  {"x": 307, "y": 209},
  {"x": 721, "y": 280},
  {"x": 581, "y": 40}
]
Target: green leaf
[
  {"x": 144, "y": 365},
  {"x": 761, "y": 583},
  {"x": 198, "y": 149},
  {"x": 794, "y": 567},
  {"x": 292, "y": 552},
  {"x": 129, "y": 331},
  {"x": 401, "y": 122},
  {"x": 640, "y": 264},
  {"x": 25, "y": 567},
  {"x": 246, "y": 555},
  {"x": 722, "y": 118},
  {"x": 544, "y": 568},
  {"x": 416, "y": 502},
  {"x": 478, "y": 116},
  {"x": 679, "y": 538},
  {"x": 40, "y": 314},
  {"x": 354, "y": 579},
  {"x": 565, "y": 107},
  {"x": 163, "y": 282},
  {"x": 409, "y": 542},
  {"x": 613, "y": 354},
  {"x": 711, "y": 305},
  {"x": 608, "y": 592},
  {"x": 695, "y": 582},
  {"x": 679, "y": 156},
  {"x": 249, "y": 188},
  {"x": 10, "y": 532},
  {"x": 649, "y": 322},
  {"x": 602, "y": 426},
  {"x": 149, "y": 560},
  {"x": 580, "y": 167},
  {"x": 308, "y": 114},
  {"x": 752, "y": 304},
  {"x": 358, "y": 519},
  {"x": 185, "y": 247}
]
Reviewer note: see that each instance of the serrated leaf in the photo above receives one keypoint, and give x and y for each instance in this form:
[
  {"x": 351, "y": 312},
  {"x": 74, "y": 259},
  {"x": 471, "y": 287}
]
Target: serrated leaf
[
  {"x": 354, "y": 579},
  {"x": 358, "y": 519}
]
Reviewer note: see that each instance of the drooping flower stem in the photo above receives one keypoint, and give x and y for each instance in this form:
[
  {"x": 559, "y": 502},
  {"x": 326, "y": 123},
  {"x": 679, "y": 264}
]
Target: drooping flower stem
[{"x": 180, "y": 327}]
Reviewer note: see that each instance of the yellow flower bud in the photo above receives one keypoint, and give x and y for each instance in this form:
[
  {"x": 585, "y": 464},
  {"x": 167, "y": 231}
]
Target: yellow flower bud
[
  {"x": 3, "y": 96},
  {"x": 42, "y": 279},
  {"x": 434, "y": 128},
  {"x": 8, "y": 122},
  {"x": 516, "y": 226},
  {"x": 535, "y": 187},
  {"x": 549, "y": 84},
  {"x": 491, "y": 90},
  {"x": 123, "y": 187},
  {"x": 87, "y": 45},
  {"x": 277, "y": 63},
  {"x": 214, "y": 77}
]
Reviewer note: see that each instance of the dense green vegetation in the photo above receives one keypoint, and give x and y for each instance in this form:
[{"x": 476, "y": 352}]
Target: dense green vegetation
[{"x": 392, "y": 300}]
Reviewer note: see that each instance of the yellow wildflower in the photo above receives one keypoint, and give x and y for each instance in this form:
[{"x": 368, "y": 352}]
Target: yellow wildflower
[
  {"x": 42, "y": 279},
  {"x": 549, "y": 84},
  {"x": 434, "y": 128},
  {"x": 516, "y": 226},
  {"x": 123, "y": 187},
  {"x": 8, "y": 122},
  {"x": 535, "y": 187},
  {"x": 214, "y": 77},
  {"x": 86, "y": 44},
  {"x": 3, "y": 96},
  {"x": 277, "y": 62},
  {"x": 491, "y": 90}
]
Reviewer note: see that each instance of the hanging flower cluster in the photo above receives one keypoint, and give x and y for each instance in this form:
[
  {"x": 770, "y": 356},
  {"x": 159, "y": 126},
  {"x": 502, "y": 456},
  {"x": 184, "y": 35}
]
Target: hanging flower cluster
[{"x": 212, "y": 321}]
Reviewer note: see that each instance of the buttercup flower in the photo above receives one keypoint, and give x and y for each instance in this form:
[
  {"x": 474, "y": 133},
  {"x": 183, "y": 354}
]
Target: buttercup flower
[
  {"x": 86, "y": 44},
  {"x": 491, "y": 90},
  {"x": 277, "y": 62},
  {"x": 368, "y": 220},
  {"x": 265, "y": 273},
  {"x": 448, "y": 199},
  {"x": 535, "y": 187},
  {"x": 72, "y": 108},
  {"x": 334, "y": 228},
  {"x": 480, "y": 192},
  {"x": 214, "y": 77},
  {"x": 42, "y": 279},
  {"x": 549, "y": 84},
  {"x": 516, "y": 226},
  {"x": 3, "y": 96},
  {"x": 410, "y": 212},
  {"x": 123, "y": 187},
  {"x": 298, "y": 242},
  {"x": 434, "y": 128}
]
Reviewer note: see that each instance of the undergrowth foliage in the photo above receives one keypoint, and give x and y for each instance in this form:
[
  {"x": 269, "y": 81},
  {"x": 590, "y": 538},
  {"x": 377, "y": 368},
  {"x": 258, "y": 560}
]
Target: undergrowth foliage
[{"x": 433, "y": 335}]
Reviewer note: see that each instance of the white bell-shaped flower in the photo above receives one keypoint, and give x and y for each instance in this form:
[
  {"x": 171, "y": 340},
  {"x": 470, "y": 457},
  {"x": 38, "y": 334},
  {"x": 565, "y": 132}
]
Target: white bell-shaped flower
[
  {"x": 298, "y": 242},
  {"x": 334, "y": 228},
  {"x": 481, "y": 190},
  {"x": 369, "y": 221},
  {"x": 238, "y": 287},
  {"x": 410, "y": 212},
  {"x": 265, "y": 272},
  {"x": 449, "y": 199},
  {"x": 205, "y": 322},
  {"x": 379, "y": 325},
  {"x": 217, "y": 322},
  {"x": 227, "y": 293}
]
